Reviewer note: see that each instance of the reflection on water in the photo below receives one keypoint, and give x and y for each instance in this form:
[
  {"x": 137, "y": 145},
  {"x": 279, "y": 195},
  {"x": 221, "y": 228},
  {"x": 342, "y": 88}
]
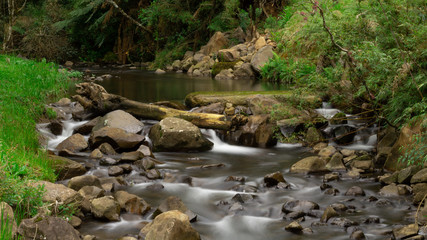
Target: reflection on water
[{"x": 146, "y": 86}]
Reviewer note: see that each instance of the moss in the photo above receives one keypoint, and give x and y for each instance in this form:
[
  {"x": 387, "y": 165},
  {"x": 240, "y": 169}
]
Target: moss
[{"x": 219, "y": 66}]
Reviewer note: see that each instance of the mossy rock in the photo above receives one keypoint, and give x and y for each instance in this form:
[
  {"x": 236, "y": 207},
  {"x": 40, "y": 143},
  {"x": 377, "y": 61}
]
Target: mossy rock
[{"x": 219, "y": 66}]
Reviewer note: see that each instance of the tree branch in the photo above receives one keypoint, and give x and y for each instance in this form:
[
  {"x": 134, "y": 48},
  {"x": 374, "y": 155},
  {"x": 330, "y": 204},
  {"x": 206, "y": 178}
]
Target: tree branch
[{"x": 114, "y": 4}]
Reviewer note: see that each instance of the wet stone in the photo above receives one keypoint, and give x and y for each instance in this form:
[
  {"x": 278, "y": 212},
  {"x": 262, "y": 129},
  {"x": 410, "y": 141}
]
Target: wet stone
[
  {"x": 331, "y": 191},
  {"x": 107, "y": 161},
  {"x": 325, "y": 186},
  {"x": 242, "y": 198},
  {"x": 115, "y": 171},
  {"x": 299, "y": 205},
  {"x": 383, "y": 203},
  {"x": 358, "y": 235},
  {"x": 294, "y": 227},
  {"x": 244, "y": 188},
  {"x": 331, "y": 177},
  {"x": 235, "y": 179},
  {"x": 339, "y": 207},
  {"x": 342, "y": 222},
  {"x": 295, "y": 215},
  {"x": 273, "y": 179},
  {"x": 329, "y": 213},
  {"x": 355, "y": 191},
  {"x": 127, "y": 168},
  {"x": 153, "y": 174},
  {"x": 236, "y": 207},
  {"x": 155, "y": 187},
  {"x": 371, "y": 220}
]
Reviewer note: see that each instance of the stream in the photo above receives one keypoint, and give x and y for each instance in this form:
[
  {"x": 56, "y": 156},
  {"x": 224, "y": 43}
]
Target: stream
[{"x": 207, "y": 194}]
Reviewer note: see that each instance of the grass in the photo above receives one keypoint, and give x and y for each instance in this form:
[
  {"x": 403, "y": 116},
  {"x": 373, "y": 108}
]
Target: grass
[{"x": 25, "y": 87}]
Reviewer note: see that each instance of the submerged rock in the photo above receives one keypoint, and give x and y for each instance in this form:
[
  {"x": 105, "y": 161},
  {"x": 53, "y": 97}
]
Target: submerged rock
[{"x": 178, "y": 135}]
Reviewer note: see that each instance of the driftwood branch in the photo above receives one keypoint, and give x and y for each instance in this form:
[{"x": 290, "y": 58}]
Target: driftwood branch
[
  {"x": 114, "y": 4},
  {"x": 94, "y": 98}
]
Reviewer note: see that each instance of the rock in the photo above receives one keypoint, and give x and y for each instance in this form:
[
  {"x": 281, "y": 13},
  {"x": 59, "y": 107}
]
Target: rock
[
  {"x": 419, "y": 191},
  {"x": 216, "y": 42},
  {"x": 347, "y": 152},
  {"x": 395, "y": 190},
  {"x": 260, "y": 43},
  {"x": 319, "y": 146},
  {"x": 420, "y": 177},
  {"x": 339, "y": 207},
  {"x": 342, "y": 222},
  {"x": 242, "y": 198},
  {"x": 119, "y": 119},
  {"x": 389, "y": 178},
  {"x": 327, "y": 152},
  {"x": 77, "y": 183},
  {"x": 160, "y": 71},
  {"x": 228, "y": 55},
  {"x": 178, "y": 227},
  {"x": 404, "y": 176},
  {"x": 52, "y": 228},
  {"x": 107, "y": 161},
  {"x": 371, "y": 220},
  {"x": 387, "y": 138},
  {"x": 261, "y": 104},
  {"x": 336, "y": 164},
  {"x": 86, "y": 128},
  {"x": 328, "y": 213},
  {"x": 174, "y": 203},
  {"x": 96, "y": 154},
  {"x": 55, "y": 127},
  {"x": 309, "y": 165},
  {"x": 74, "y": 143},
  {"x": 207, "y": 166},
  {"x": 65, "y": 168},
  {"x": 132, "y": 203},
  {"x": 115, "y": 171},
  {"x": 106, "y": 148},
  {"x": 174, "y": 134},
  {"x": 404, "y": 140},
  {"x": 146, "y": 151},
  {"x": 313, "y": 136},
  {"x": 331, "y": 177},
  {"x": 261, "y": 57},
  {"x": 153, "y": 174},
  {"x": 109, "y": 184},
  {"x": 75, "y": 221},
  {"x": 105, "y": 208},
  {"x": 344, "y": 134},
  {"x": 355, "y": 191},
  {"x": 147, "y": 163},
  {"x": 131, "y": 156},
  {"x": 331, "y": 191},
  {"x": 226, "y": 74},
  {"x": 257, "y": 132},
  {"x": 381, "y": 157},
  {"x": 7, "y": 219},
  {"x": 58, "y": 193},
  {"x": 294, "y": 227},
  {"x": 299, "y": 205},
  {"x": 198, "y": 57},
  {"x": 117, "y": 137},
  {"x": 176, "y": 65},
  {"x": 338, "y": 119},
  {"x": 273, "y": 179},
  {"x": 406, "y": 231},
  {"x": 91, "y": 192},
  {"x": 245, "y": 71},
  {"x": 365, "y": 165},
  {"x": 235, "y": 179},
  {"x": 357, "y": 235}
]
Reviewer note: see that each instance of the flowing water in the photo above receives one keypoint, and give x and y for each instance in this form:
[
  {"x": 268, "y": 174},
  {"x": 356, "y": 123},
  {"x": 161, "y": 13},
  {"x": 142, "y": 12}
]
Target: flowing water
[{"x": 207, "y": 194}]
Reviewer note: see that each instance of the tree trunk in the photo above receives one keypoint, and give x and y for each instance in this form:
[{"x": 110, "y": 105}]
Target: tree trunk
[
  {"x": 94, "y": 98},
  {"x": 8, "y": 32}
]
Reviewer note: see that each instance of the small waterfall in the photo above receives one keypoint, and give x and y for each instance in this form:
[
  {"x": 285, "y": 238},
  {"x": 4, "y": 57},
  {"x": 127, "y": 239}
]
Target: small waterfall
[
  {"x": 68, "y": 129},
  {"x": 223, "y": 147}
]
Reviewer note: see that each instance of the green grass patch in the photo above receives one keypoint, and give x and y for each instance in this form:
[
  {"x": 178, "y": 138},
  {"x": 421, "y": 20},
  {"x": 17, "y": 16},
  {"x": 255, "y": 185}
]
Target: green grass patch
[{"x": 25, "y": 87}]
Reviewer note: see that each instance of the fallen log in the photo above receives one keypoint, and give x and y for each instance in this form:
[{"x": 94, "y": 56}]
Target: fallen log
[{"x": 96, "y": 99}]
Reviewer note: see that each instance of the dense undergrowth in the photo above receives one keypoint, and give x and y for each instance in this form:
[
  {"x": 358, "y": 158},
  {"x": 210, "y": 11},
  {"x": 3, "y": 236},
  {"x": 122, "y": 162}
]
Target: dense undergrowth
[
  {"x": 364, "y": 56},
  {"x": 25, "y": 87}
]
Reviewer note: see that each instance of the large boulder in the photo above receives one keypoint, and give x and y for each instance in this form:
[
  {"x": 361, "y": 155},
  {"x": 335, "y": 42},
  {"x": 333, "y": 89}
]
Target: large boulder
[
  {"x": 261, "y": 58},
  {"x": 117, "y": 137},
  {"x": 74, "y": 143},
  {"x": 131, "y": 203},
  {"x": 105, "y": 208},
  {"x": 309, "y": 165},
  {"x": 120, "y": 119},
  {"x": 178, "y": 135},
  {"x": 420, "y": 177},
  {"x": 52, "y": 228},
  {"x": 344, "y": 134},
  {"x": 257, "y": 132},
  {"x": 171, "y": 225},
  {"x": 7, "y": 218},
  {"x": 245, "y": 71},
  {"x": 403, "y": 142},
  {"x": 174, "y": 203},
  {"x": 226, "y": 74},
  {"x": 66, "y": 168},
  {"x": 218, "y": 41},
  {"x": 58, "y": 193}
]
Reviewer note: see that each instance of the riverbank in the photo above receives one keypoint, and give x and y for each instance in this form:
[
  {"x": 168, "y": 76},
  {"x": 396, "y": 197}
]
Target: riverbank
[{"x": 26, "y": 86}]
